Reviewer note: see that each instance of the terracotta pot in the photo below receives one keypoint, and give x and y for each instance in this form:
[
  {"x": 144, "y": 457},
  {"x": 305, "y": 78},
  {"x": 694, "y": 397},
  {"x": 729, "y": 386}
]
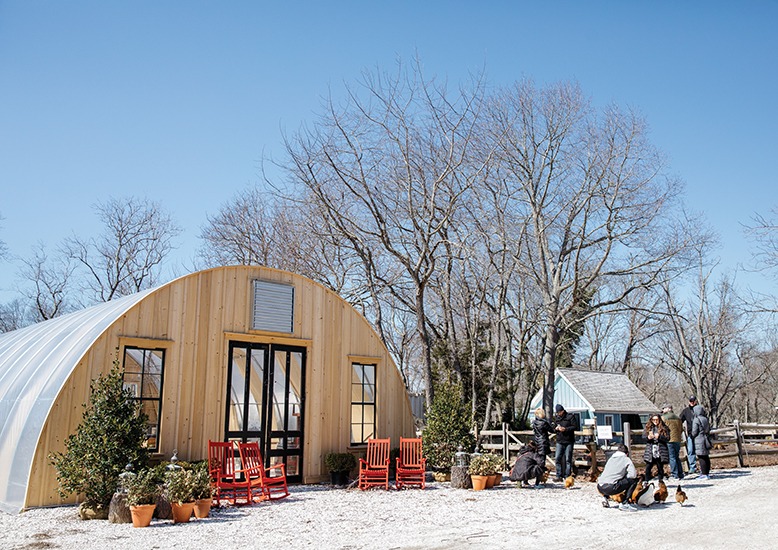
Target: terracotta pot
[
  {"x": 141, "y": 514},
  {"x": 479, "y": 482},
  {"x": 489, "y": 481},
  {"x": 182, "y": 512},
  {"x": 497, "y": 479},
  {"x": 202, "y": 508}
]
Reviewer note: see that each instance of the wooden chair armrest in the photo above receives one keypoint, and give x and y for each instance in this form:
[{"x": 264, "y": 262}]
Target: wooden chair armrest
[{"x": 279, "y": 466}]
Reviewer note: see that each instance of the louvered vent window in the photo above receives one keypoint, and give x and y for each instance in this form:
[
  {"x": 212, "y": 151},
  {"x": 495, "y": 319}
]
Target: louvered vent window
[{"x": 273, "y": 307}]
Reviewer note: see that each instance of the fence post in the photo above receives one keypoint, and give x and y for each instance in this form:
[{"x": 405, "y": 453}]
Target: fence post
[
  {"x": 505, "y": 445},
  {"x": 739, "y": 444},
  {"x": 627, "y": 437}
]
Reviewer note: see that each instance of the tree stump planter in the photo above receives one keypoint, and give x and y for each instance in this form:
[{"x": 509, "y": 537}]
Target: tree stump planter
[
  {"x": 460, "y": 479},
  {"x": 119, "y": 510}
]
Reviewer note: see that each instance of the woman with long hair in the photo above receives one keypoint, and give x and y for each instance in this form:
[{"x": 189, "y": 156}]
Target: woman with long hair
[{"x": 657, "y": 435}]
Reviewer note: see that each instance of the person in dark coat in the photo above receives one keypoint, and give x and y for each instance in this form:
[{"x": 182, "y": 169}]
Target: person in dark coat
[
  {"x": 687, "y": 416},
  {"x": 542, "y": 429},
  {"x": 657, "y": 435},
  {"x": 702, "y": 443},
  {"x": 528, "y": 466},
  {"x": 565, "y": 425}
]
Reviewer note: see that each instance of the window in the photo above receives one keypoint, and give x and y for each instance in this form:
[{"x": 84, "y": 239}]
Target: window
[
  {"x": 362, "y": 403},
  {"x": 143, "y": 373},
  {"x": 609, "y": 420}
]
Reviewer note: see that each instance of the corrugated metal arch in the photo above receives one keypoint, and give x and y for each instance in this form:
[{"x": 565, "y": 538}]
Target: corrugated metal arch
[{"x": 35, "y": 362}]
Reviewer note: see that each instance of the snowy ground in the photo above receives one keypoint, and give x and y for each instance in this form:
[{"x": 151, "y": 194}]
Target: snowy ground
[{"x": 736, "y": 509}]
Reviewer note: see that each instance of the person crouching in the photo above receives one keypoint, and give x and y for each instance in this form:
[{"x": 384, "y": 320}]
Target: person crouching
[
  {"x": 529, "y": 464},
  {"x": 619, "y": 475}
]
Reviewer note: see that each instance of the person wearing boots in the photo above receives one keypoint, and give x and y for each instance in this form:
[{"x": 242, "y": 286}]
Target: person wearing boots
[{"x": 565, "y": 425}]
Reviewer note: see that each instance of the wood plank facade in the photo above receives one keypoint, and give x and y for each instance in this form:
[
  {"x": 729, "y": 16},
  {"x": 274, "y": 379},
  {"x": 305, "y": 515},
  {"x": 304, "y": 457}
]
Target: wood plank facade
[{"x": 195, "y": 323}]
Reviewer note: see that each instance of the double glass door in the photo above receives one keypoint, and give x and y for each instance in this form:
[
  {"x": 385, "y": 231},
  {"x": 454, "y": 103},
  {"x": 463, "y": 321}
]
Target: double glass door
[{"x": 265, "y": 401}]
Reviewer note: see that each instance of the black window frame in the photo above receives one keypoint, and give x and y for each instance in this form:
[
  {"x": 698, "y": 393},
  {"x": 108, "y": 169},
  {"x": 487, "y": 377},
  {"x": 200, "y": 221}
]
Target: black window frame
[
  {"x": 363, "y": 404},
  {"x": 141, "y": 399}
]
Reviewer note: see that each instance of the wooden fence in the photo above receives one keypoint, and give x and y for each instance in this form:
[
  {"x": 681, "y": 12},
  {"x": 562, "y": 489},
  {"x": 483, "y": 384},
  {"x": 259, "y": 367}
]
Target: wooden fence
[{"x": 736, "y": 440}]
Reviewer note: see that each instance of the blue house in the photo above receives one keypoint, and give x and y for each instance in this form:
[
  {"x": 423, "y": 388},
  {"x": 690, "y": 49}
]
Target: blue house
[{"x": 608, "y": 397}]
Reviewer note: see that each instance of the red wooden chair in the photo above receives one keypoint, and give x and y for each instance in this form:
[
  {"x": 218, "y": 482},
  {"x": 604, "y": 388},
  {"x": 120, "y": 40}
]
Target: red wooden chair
[
  {"x": 374, "y": 468},
  {"x": 411, "y": 465},
  {"x": 221, "y": 466},
  {"x": 258, "y": 481}
]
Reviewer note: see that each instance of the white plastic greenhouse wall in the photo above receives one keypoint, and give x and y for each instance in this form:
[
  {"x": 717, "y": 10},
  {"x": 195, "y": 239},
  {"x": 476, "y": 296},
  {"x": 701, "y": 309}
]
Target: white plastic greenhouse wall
[{"x": 35, "y": 362}]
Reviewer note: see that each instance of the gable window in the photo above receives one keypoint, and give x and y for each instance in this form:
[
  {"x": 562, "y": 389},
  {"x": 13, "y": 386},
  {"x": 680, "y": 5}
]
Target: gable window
[
  {"x": 143, "y": 374},
  {"x": 363, "y": 403}
]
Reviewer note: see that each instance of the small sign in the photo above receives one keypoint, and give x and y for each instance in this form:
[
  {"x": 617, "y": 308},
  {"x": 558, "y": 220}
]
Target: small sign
[
  {"x": 589, "y": 421},
  {"x": 604, "y": 432}
]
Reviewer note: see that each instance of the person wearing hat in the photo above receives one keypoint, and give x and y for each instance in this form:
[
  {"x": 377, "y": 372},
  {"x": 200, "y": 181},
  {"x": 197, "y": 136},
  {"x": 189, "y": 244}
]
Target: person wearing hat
[
  {"x": 687, "y": 417},
  {"x": 619, "y": 476},
  {"x": 675, "y": 424},
  {"x": 565, "y": 425}
]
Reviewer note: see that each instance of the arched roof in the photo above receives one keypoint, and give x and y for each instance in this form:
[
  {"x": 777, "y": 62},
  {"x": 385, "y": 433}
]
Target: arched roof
[{"x": 35, "y": 362}]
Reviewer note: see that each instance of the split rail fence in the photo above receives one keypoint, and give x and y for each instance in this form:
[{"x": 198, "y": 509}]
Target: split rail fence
[{"x": 739, "y": 440}]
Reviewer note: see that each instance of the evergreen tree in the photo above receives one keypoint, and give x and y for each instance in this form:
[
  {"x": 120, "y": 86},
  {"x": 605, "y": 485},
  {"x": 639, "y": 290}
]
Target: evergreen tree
[
  {"x": 112, "y": 433},
  {"x": 448, "y": 426}
]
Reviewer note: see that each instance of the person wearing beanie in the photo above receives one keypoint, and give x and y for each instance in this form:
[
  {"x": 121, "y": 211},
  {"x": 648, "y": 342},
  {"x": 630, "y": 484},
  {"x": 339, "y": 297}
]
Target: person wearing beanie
[{"x": 565, "y": 426}]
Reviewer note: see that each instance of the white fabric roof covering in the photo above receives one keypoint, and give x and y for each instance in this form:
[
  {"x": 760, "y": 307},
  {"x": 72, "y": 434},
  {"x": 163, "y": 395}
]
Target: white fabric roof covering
[{"x": 35, "y": 362}]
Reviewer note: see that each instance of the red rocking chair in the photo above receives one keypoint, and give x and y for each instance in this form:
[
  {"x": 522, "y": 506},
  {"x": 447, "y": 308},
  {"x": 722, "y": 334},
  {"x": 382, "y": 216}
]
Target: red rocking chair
[
  {"x": 411, "y": 465},
  {"x": 374, "y": 468},
  {"x": 221, "y": 466},
  {"x": 259, "y": 482}
]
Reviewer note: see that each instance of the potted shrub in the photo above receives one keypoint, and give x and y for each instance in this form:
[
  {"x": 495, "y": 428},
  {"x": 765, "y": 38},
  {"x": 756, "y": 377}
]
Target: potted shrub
[
  {"x": 480, "y": 469},
  {"x": 498, "y": 466},
  {"x": 179, "y": 489},
  {"x": 202, "y": 490},
  {"x": 339, "y": 466},
  {"x": 142, "y": 492}
]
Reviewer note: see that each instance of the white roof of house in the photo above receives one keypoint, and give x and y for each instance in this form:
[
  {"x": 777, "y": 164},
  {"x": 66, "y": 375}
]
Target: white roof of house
[{"x": 35, "y": 362}]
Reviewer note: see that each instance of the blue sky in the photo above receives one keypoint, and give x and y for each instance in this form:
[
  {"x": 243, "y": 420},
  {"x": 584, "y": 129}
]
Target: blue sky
[{"x": 180, "y": 101}]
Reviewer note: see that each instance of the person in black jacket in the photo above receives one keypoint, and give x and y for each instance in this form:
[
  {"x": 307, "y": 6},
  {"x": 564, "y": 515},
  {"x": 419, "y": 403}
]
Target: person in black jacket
[
  {"x": 687, "y": 416},
  {"x": 657, "y": 454},
  {"x": 565, "y": 425},
  {"x": 528, "y": 465},
  {"x": 542, "y": 429}
]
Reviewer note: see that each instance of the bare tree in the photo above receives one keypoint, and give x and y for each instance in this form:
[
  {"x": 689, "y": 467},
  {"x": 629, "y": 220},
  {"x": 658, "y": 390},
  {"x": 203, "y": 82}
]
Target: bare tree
[
  {"x": 126, "y": 258},
  {"x": 14, "y": 315},
  {"x": 708, "y": 342},
  {"x": 386, "y": 174},
  {"x": 3, "y": 246},
  {"x": 50, "y": 282},
  {"x": 764, "y": 234},
  {"x": 597, "y": 202},
  {"x": 241, "y": 232}
]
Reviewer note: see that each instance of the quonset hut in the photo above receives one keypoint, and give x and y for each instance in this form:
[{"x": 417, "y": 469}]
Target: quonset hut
[{"x": 230, "y": 353}]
